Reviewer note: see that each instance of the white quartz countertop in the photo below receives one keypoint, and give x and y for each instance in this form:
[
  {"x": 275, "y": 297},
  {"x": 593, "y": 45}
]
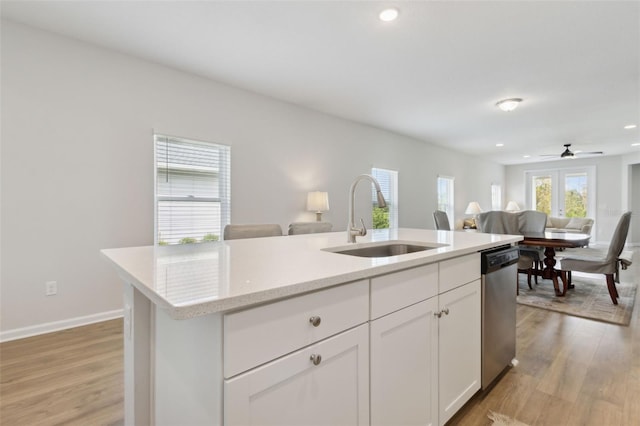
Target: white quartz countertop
[{"x": 199, "y": 279}]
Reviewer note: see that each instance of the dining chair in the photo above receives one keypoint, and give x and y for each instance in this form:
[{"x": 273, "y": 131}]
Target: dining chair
[
  {"x": 297, "y": 228},
  {"x": 598, "y": 262},
  {"x": 532, "y": 221},
  {"x": 441, "y": 220},
  {"x": 499, "y": 222},
  {"x": 236, "y": 232}
]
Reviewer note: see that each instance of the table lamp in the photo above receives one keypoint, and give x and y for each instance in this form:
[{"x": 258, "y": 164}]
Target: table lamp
[
  {"x": 318, "y": 202},
  {"x": 473, "y": 209},
  {"x": 512, "y": 206}
]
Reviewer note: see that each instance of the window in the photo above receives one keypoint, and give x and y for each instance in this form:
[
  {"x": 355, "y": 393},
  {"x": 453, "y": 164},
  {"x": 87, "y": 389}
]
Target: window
[
  {"x": 445, "y": 196},
  {"x": 386, "y": 217},
  {"x": 192, "y": 190},
  {"x": 496, "y": 197}
]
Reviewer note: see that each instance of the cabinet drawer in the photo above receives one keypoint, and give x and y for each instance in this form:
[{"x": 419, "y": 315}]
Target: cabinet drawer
[
  {"x": 392, "y": 292},
  {"x": 294, "y": 390},
  {"x": 459, "y": 271},
  {"x": 255, "y": 336}
]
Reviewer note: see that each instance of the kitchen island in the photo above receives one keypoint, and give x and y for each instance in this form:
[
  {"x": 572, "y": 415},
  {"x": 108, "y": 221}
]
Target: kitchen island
[{"x": 284, "y": 329}]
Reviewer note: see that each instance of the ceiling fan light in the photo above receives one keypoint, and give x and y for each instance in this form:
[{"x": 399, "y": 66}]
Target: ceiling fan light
[{"x": 508, "y": 104}]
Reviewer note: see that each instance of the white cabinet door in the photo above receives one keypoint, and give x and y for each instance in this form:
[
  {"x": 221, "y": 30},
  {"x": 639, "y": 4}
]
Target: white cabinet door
[
  {"x": 459, "y": 348},
  {"x": 404, "y": 366},
  {"x": 293, "y": 390}
]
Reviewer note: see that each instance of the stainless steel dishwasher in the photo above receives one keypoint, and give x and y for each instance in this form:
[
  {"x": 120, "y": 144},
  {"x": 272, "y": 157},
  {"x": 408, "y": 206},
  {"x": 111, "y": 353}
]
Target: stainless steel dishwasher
[{"x": 499, "y": 286}]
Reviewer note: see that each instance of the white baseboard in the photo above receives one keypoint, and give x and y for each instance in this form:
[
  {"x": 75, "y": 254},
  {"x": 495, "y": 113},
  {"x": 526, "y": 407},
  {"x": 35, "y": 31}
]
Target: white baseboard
[{"x": 34, "y": 330}]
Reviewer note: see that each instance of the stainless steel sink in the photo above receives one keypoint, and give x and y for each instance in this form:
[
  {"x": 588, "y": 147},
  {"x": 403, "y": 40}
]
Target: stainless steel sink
[{"x": 384, "y": 249}]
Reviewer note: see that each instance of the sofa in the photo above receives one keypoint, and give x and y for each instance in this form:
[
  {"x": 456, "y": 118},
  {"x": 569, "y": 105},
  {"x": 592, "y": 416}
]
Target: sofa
[{"x": 581, "y": 225}]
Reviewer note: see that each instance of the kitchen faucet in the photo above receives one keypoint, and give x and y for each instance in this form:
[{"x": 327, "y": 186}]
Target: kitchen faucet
[{"x": 352, "y": 231}]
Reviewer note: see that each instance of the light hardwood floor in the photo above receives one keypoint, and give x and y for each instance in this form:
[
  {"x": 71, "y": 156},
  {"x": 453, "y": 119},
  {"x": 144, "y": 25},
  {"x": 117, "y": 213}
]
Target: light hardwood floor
[
  {"x": 71, "y": 377},
  {"x": 572, "y": 371}
]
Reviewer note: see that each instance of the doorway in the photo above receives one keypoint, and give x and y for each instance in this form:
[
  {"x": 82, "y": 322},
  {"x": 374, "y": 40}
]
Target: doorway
[
  {"x": 634, "y": 203},
  {"x": 567, "y": 192}
]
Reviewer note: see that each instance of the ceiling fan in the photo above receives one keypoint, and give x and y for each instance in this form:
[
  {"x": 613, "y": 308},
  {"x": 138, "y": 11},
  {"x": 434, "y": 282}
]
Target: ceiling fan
[{"x": 567, "y": 153}]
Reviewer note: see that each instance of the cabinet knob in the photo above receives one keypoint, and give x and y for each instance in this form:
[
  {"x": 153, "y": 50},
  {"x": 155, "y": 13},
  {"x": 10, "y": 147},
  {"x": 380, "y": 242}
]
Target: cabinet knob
[
  {"x": 316, "y": 359},
  {"x": 443, "y": 311},
  {"x": 315, "y": 321}
]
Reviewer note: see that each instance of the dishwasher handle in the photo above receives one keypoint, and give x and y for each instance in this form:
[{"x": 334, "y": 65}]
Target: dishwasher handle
[{"x": 494, "y": 261}]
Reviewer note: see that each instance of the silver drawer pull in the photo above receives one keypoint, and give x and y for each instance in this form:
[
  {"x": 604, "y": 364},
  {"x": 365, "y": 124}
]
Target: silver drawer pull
[
  {"x": 316, "y": 359},
  {"x": 315, "y": 321}
]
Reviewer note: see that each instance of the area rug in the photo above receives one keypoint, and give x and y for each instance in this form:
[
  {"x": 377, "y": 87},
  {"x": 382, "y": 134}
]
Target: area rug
[
  {"x": 589, "y": 299},
  {"x": 503, "y": 420}
]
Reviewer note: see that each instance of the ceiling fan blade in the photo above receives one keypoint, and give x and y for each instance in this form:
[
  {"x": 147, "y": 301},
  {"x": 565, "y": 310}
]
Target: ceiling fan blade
[
  {"x": 567, "y": 153},
  {"x": 589, "y": 153}
]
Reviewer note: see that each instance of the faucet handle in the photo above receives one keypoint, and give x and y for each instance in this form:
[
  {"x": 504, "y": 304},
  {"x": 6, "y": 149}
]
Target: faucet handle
[{"x": 363, "y": 230}]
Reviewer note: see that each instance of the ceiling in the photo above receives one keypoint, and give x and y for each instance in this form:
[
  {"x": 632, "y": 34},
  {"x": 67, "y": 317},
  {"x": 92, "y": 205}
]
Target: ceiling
[{"x": 434, "y": 74}]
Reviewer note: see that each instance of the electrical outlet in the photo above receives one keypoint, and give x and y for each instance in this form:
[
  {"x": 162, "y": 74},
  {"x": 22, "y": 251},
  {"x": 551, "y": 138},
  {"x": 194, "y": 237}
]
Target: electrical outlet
[{"x": 50, "y": 288}]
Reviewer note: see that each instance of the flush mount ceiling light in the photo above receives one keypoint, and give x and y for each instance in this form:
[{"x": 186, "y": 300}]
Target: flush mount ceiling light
[
  {"x": 499, "y": 144},
  {"x": 388, "y": 15},
  {"x": 508, "y": 104},
  {"x": 630, "y": 126},
  {"x": 635, "y": 144}
]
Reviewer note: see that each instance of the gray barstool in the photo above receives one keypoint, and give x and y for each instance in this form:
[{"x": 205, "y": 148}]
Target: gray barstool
[
  {"x": 441, "y": 220},
  {"x": 297, "y": 228},
  {"x": 236, "y": 232}
]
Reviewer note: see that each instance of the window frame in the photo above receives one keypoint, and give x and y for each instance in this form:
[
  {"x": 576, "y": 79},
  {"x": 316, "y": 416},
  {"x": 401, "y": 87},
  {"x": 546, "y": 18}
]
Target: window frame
[
  {"x": 449, "y": 205},
  {"x": 221, "y": 169},
  {"x": 391, "y": 197},
  {"x": 496, "y": 196}
]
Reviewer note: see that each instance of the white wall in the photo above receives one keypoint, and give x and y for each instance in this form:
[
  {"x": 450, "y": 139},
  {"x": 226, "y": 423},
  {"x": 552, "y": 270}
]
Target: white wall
[
  {"x": 609, "y": 191},
  {"x": 77, "y": 167}
]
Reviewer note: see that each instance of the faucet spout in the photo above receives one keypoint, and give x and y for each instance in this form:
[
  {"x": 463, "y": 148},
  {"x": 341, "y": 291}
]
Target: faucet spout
[{"x": 352, "y": 230}]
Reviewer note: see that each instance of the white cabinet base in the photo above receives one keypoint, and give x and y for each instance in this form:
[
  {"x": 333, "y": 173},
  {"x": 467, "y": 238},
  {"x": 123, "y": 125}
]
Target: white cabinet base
[
  {"x": 404, "y": 366},
  {"x": 459, "y": 349}
]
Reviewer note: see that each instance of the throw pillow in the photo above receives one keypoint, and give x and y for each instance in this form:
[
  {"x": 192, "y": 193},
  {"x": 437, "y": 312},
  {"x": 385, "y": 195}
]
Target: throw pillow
[{"x": 576, "y": 223}]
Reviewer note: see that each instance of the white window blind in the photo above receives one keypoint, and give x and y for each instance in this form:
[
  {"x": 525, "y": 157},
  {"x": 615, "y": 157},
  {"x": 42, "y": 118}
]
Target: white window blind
[
  {"x": 388, "y": 180},
  {"x": 192, "y": 190},
  {"x": 445, "y": 196}
]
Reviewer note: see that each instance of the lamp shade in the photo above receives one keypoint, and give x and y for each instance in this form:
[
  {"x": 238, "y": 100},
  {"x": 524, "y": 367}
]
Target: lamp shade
[
  {"x": 512, "y": 206},
  {"x": 473, "y": 208},
  {"x": 318, "y": 201}
]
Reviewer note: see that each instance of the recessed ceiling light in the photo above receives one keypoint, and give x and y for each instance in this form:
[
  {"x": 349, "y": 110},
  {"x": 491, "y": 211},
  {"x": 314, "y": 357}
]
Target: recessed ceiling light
[
  {"x": 526, "y": 156},
  {"x": 630, "y": 126},
  {"x": 499, "y": 144},
  {"x": 635, "y": 144},
  {"x": 390, "y": 14},
  {"x": 509, "y": 104}
]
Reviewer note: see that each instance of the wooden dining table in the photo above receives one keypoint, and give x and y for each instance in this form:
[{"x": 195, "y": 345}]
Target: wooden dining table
[{"x": 551, "y": 241}]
